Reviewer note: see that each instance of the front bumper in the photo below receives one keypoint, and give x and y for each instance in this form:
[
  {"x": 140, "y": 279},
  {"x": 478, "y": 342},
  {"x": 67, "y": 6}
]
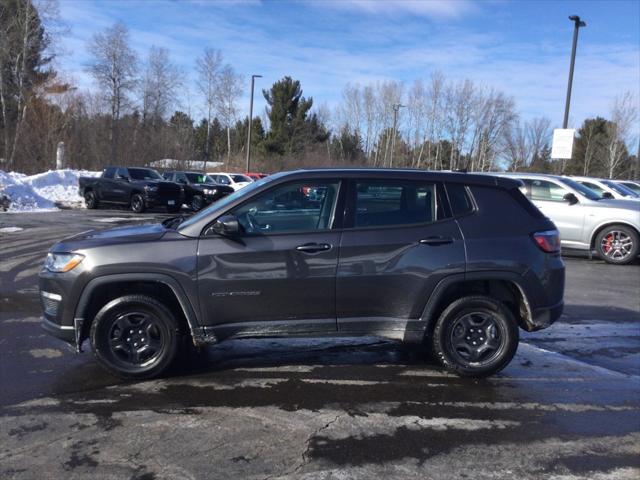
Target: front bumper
[
  {"x": 63, "y": 332},
  {"x": 155, "y": 199}
]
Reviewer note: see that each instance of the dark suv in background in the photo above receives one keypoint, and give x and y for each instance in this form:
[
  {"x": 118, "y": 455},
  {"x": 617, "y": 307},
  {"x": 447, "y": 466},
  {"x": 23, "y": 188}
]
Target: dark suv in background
[
  {"x": 200, "y": 189},
  {"x": 456, "y": 261}
]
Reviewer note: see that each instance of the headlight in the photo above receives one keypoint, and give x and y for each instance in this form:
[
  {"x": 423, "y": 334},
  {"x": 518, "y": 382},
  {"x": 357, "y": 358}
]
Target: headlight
[
  {"x": 62, "y": 262},
  {"x": 210, "y": 191},
  {"x": 150, "y": 188}
]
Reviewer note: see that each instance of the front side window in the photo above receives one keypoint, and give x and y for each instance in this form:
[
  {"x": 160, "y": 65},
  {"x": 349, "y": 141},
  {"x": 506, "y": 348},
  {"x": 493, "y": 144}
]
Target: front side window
[
  {"x": 196, "y": 178},
  {"x": 298, "y": 206},
  {"x": 592, "y": 186},
  {"x": 109, "y": 172},
  {"x": 396, "y": 202},
  {"x": 545, "y": 191},
  {"x": 223, "y": 180}
]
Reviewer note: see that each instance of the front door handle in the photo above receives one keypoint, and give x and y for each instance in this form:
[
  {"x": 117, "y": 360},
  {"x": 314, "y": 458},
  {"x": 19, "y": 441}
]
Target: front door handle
[
  {"x": 313, "y": 247},
  {"x": 436, "y": 240}
]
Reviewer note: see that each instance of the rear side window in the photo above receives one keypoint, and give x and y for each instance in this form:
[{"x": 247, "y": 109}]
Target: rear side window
[
  {"x": 459, "y": 199},
  {"x": 395, "y": 202}
]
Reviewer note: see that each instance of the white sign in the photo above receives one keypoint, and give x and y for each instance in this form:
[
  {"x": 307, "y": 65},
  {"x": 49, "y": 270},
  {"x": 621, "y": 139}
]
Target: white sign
[{"x": 562, "y": 143}]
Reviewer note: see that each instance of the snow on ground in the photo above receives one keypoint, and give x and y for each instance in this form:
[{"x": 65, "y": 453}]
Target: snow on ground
[
  {"x": 41, "y": 192},
  {"x": 11, "y": 229}
]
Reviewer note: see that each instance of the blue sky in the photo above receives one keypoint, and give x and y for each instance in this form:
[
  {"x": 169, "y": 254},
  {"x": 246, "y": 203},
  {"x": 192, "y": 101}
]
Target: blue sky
[{"x": 521, "y": 47}]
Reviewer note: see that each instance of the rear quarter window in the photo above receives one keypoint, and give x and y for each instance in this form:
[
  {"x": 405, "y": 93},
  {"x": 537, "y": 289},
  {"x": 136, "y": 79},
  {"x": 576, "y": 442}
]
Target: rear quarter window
[{"x": 459, "y": 198}]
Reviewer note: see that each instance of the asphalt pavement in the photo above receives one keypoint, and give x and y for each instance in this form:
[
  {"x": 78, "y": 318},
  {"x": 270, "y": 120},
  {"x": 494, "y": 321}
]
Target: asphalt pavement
[{"x": 567, "y": 407}]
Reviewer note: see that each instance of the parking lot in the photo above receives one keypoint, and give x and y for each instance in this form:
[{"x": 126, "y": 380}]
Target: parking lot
[{"x": 567, "y": 407}]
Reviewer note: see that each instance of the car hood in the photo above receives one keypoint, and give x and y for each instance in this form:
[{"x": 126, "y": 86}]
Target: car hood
[{"x": 113, "y": 236}]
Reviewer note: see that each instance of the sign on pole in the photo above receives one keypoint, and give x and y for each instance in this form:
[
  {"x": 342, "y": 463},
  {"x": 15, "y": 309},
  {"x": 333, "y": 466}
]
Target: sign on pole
[{"x": 562, "y": 147}]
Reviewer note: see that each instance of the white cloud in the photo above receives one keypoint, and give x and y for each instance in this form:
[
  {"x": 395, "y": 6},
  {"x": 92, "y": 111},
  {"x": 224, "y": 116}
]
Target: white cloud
[{"x": 438, "y": 9}]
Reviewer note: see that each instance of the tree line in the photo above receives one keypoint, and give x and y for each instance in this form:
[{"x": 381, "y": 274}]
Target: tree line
[{"x": 144, "y": 110}]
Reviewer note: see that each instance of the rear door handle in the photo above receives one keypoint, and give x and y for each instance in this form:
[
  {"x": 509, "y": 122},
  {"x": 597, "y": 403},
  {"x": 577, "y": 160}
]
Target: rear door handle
[
  {"x": 436, "y": 240},
  {"x": 313, "y": 247}
]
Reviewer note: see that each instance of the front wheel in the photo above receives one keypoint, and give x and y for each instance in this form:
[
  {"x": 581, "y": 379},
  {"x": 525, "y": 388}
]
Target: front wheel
[
  {"x": 475, "y": 336},
  {"x": 135, "y": 336},
  {"x": 137, "y": 203},
  {"x": 618, "y": 244},
  {"x": 197, "y": 202}
]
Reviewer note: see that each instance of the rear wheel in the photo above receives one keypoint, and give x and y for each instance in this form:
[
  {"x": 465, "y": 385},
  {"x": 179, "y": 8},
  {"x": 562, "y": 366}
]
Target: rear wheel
[
  {"x": 90, "y": 200},
  {"x": 135, "y": 336},
  {"x": 137, "y": 203},
  {"x": 618, "y": 244},
  {"x": 475, "y": 336}
]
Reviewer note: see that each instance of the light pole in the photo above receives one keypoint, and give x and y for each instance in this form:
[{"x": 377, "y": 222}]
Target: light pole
[
  {"x": 253, "y": 79},
  {"x": 396, "y": 107},
  {"x": 577, "y": 24}
]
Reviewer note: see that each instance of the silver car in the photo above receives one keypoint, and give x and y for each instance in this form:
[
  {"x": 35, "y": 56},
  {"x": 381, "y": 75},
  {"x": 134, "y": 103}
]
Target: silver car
[
  {"x": 607, "y": 188},
  {"x": 586, "y": 221}
]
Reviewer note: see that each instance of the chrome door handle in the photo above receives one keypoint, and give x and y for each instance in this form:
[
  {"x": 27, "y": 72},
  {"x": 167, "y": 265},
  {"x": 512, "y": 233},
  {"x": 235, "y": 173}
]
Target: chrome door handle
[
  {"x": 313, "y": 247},
  {"x": 436, "y": 240}
]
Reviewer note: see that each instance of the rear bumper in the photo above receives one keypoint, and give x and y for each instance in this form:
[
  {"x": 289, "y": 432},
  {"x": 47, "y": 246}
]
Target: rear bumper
[{"x": 545, "y": 316}]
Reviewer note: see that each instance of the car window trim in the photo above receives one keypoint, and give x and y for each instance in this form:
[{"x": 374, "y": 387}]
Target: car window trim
[{"x": 474, "y": 205}]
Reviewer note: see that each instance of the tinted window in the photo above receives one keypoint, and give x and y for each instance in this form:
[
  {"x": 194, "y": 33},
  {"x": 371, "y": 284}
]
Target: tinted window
[
  {"x": 381, "y": 203},
  {"x": 196, "y": 178},
  {"x": 122, "y": 173},
  {"x": 168, "y": 176},
  {"x": 223, "y": 180},
  {"x": 299, "y": 206},
  {"x": 459, "y": 198},
  {"x": 181, "y": 177},
  {"x": 545, "y": 190},
  {"x": 241, "y": 178},
  {"x": 144, "y": 174},
  {"x": 592, "y": 186},
  {"x": 109, "y": 172},
  {"x": 587, "y": 192}
]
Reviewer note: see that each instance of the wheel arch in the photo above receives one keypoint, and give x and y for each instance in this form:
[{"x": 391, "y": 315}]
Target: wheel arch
[
  {"x": 99, "y": 291},
  {"x": 504, "y": 286},
  {"x": 599, "y": 228}
]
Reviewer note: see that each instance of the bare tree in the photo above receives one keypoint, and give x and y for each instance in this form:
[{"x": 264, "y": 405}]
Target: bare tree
[
  {"x": 159, "y": 85},
  {"x": 114, "y": 67},
  {"x": 517, "y": 147},
  {"x": 624, "y": 112},
  {"x": 208, "y": 67},
  {"x": 227, "y": 95},
  {"x": 459, "y": 106}
]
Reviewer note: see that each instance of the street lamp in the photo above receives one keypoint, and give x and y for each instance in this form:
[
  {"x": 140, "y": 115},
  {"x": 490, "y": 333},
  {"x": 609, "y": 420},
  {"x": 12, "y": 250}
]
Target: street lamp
[
  {"x": 396, "y": 107},
  {"x": 577, "y": 24},
  {"x": 253, "y": 79}
]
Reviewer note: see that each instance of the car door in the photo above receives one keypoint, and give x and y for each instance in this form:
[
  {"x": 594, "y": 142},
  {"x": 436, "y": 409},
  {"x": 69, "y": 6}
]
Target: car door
[
  {"x": 279, "y": 272},
  {"x": 120, "y": 187},
  {"x": 549, "y": 197},
  {"x": 397, "y": 245}
]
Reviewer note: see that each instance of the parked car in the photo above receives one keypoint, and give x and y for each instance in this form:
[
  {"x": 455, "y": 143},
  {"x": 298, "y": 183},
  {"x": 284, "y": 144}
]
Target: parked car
[
  {"x": 255, "y": 176},
  {"x": 585, "y": 220},
  {"x": 199, "y": 189},
  {"x": 607, "y": 188},
  {"x": 459, "y": 261},
  {"x": 234, "y": 180},
  {"x": 139, "y": 188},
  {"x": 630, "y": 184}
]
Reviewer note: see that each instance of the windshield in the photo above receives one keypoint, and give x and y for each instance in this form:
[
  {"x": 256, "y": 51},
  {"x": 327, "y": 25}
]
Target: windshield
[
  {"x": 224, "y": 201},
  {"x": 241, "y": 178},
  {"x": 198, "y": 178},
  {"x": 144, "y": 174},
  {"x": 587, "y": 192},
  {"x": 621, "y": 189}
]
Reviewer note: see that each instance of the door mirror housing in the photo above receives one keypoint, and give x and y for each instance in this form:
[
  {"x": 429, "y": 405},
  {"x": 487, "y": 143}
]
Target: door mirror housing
[
  {"x": 608, "y": 195},
  {"x": 227, "y": 225},
  {"x": 570, "y": 198}
]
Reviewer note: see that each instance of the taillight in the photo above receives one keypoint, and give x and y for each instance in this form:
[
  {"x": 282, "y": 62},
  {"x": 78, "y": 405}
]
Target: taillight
[{"x": 548, "y": 241}]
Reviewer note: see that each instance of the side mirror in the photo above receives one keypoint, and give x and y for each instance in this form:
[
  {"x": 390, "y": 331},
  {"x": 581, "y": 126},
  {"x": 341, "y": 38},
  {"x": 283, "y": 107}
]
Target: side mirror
[
  {"x": 226, "y": 225},
  {"x": 571, "y": 198},
  {"x": 608, "y": 195}
]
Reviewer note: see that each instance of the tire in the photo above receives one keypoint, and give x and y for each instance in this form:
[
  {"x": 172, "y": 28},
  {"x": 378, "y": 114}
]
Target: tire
[
  {"x": 618, "y": 244},
  {"x": 137, "y": 203},
  {"x": 135, "y": 337},
  {"x": 471, "y": 320},
  {"x": 90, "y": 200},
  {"x": 197, "y": 202}
]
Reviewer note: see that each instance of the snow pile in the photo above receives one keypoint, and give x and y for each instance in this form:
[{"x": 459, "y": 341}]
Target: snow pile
[{"x": 41, "y": 192}]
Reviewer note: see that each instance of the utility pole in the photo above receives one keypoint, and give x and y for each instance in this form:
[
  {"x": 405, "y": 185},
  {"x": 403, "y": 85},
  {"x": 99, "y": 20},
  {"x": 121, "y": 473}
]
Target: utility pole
[
  {"x": 253, "y": 79},
  {"x": 396, "y": 107},
  {"x": 577, "y": 24}
]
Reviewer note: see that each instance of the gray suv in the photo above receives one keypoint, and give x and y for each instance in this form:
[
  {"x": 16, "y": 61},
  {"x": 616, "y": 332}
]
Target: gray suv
[
  {"x": 455, "y": 261},
  {"x": 585, "y": 220}
]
